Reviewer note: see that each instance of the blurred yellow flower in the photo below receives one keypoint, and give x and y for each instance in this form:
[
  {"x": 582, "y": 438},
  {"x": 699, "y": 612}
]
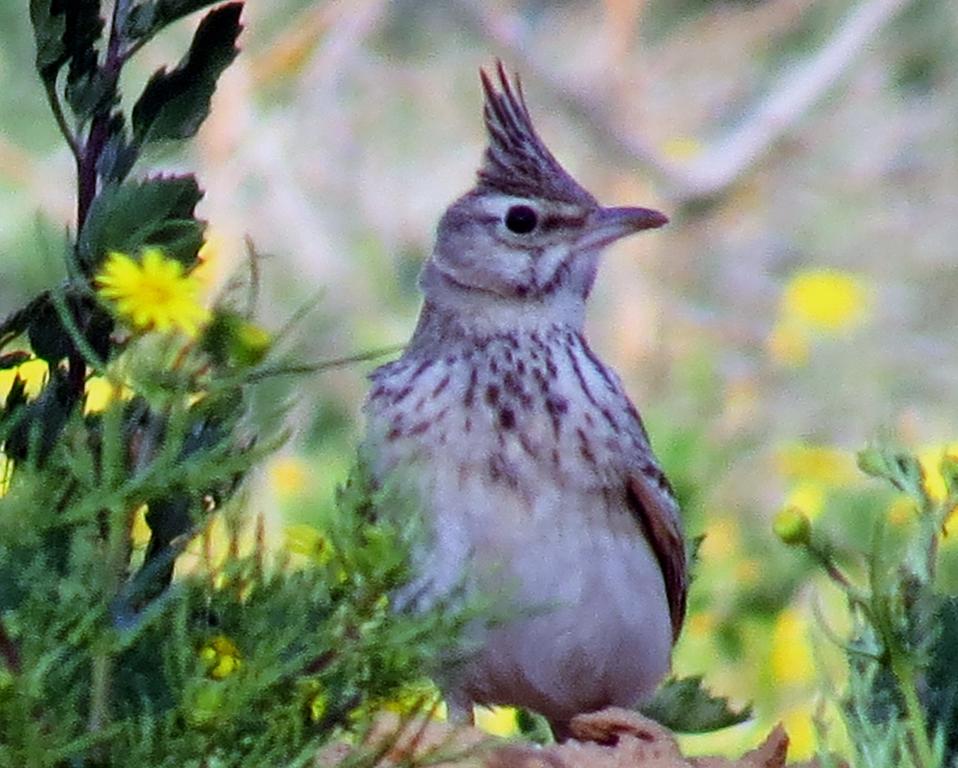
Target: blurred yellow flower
[
  {"x": 100, "y": 392},
  {"x": 808, "y": 498},
  {"x": 722, "y": 538},
  {"x": 802, "y": 739},
  {"x": 791, "y": 660},
  {"x": 220, "y": 656},
  {"x": 701, "y": 623},
  {"x": 33, "y": 373},
  {"x": 139, "y": 531},
  {"x": 822, "y": 464},
  {"x": 152, "y": 293},
  {"x": 302, "y": 539},
  {"x": 826, "y": 300},
  {"x": 788, "y": 345},
  {"x": 682, "y": 148},
  {"x": 930, "y": 460},
  {"x": 901, "y": 510},
  {"x": 499, "y": 721},
  {"x": 289, "y": 475}
]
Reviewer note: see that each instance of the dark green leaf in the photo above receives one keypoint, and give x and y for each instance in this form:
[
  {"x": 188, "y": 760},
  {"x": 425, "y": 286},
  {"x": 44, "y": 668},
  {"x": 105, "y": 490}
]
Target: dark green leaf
[
  {"x": 35, "y": 434},
  {"x": 13, "y": 359},
  {"x": 148, "y": 18},
  {"x": 91, "y": 93},
  {"x": 684, "y": 705},
  {"x": 158, "y": 211},
  {"x": 174, "y": 104},
  {"x": 49, "y": 26},
  {"x": 119, "y": 155},
  {"x": 51, "y": 341},
  {"x": 82, "y": 30}
]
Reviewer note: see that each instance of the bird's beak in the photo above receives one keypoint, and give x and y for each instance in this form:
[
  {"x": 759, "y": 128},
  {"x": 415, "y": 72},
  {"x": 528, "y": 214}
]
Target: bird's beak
[{"x": 606, "y": 225}]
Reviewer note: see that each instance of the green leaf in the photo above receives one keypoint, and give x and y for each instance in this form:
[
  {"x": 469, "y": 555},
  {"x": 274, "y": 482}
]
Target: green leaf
[
  {"x": 174, "y": 104},
  {"x": 157, "y": 211},
  {"x": 49, "y": 26},
  {"x": 684, "y": 705},
  {"x": 148, "y": 18},
  {"x": 119, "y": 155}
]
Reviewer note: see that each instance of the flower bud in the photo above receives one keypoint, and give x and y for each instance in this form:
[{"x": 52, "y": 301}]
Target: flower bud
[{"x": 793, "y": 527}]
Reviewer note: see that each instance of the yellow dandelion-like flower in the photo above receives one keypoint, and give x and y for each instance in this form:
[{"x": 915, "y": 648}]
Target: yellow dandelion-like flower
[
  {"x": 826, "y": 300},
  {"x": 153, "y": 293}
]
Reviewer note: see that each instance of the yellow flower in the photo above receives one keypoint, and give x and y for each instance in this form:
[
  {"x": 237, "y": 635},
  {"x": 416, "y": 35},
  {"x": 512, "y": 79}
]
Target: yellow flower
[
  {"x": 310, "y": 542},
  {"x": 823, "y": 464},
  {"x": 220, "y": 656},
  {"x": 826, "y": 300},
  {"x": 807, "y": 498},
  {"x": 33, "y": 373},
  {"x": 932, "y": 477},
  {"x": 802, "y": 738},
  {"x": 289, "y": 475},
  {"x": 152, "y": 293},
  {"x": 792, "y": 662},
  {"x": 788, "y": 345},
  {"x": 100, "y": 392},
  {"x": 499, "y": 721}
]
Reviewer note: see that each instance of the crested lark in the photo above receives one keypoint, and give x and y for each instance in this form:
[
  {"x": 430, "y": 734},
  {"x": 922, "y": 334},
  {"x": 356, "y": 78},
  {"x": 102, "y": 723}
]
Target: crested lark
[{"x": 531, "y": 464}]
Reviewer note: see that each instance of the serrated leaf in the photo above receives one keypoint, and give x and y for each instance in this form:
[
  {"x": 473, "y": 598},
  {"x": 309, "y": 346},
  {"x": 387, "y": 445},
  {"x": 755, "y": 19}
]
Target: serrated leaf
[
  {"x": 684, "y": 705},
  {"x": 156, "y": 211},
  {"x": 174, "y": 104}
]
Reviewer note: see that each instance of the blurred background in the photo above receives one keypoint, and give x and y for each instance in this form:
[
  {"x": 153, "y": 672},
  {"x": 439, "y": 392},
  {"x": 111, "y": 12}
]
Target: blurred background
[{"x": 800, "y": 303}]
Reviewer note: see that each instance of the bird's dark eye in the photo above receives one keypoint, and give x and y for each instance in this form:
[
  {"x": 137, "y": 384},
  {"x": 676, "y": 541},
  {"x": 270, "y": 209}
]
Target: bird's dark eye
[{"x": 521, "y": 219}]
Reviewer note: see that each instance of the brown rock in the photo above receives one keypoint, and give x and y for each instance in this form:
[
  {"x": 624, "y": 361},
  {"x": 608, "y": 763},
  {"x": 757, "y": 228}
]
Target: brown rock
[{"x": 611, "y": 738}]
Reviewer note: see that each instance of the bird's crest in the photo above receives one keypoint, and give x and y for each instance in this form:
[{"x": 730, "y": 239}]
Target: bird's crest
[{"x": 516, "y": 161}]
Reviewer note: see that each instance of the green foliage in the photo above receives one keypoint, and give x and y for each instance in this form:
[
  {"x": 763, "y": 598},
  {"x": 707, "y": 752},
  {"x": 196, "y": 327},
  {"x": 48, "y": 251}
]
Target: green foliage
[
  {"x": 684, "y": 705},
  {"x": 108, "y": 655},
  {"x": 901, "y": 708},
  {"x": 174, "y": 104},
  {"x": 129, "y": 216}
]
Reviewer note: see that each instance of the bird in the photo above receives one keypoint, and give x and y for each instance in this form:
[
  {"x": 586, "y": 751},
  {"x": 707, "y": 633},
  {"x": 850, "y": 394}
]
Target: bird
[{"x": 531, "y": 466}]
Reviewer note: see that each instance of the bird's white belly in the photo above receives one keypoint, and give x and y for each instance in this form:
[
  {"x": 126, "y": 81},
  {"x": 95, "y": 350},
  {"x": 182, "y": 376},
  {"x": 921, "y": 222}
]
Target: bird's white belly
[{"x": 589, "y": 621}]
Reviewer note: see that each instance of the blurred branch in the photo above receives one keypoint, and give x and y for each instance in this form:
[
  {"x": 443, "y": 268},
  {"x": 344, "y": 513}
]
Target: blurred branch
[{"x": 726, "y": 160}]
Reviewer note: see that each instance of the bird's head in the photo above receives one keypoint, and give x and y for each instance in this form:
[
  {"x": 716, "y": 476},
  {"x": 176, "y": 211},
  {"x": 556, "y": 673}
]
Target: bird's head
[{"x": 527, "y": 233}]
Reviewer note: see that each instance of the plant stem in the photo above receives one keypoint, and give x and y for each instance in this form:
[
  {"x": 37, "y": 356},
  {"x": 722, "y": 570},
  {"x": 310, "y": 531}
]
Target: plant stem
[
  {"x": 57, "y": 108},
  {"x": 918, "y": 727},
  {"x": 89, "y": 157}
]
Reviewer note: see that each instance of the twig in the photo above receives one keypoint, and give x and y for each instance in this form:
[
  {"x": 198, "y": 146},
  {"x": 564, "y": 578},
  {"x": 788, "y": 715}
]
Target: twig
[{"x": 725, "y": 161}]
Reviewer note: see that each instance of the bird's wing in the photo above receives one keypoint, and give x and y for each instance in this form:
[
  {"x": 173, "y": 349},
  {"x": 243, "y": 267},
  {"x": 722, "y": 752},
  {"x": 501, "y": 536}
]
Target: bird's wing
[{"x": 652, "y": 501}]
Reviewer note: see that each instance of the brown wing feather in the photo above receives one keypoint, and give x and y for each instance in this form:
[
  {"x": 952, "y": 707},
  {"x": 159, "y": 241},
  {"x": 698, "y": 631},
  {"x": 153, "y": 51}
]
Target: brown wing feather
[{"x": 652, "y": 501}]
